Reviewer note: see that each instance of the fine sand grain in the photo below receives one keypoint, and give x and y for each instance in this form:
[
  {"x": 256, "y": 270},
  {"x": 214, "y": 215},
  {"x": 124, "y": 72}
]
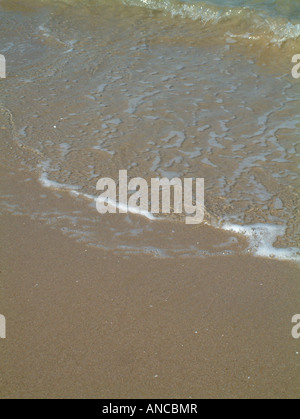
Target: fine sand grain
[{"x": 83, "y": 323}]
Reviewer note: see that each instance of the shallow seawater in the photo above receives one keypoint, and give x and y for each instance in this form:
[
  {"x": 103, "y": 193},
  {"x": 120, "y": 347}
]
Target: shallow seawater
[{"x": 161, "y": 89}]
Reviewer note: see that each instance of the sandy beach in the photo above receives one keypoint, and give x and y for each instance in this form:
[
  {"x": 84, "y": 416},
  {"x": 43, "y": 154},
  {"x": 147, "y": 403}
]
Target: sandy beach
[
  {"x": 139, "y": 304},
  {"x": 83, "y": 323}
]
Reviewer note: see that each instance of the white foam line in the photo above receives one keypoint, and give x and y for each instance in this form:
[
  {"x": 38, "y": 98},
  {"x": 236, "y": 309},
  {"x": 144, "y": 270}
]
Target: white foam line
[
  {"x": 73, "y": 190},
  {"x": 55, "y": 185},
  {"x": 123, "y": 207},
  {"x": 262, "y": 238}
]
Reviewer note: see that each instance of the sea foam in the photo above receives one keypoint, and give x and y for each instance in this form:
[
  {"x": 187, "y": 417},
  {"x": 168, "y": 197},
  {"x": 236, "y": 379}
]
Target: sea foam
[{"x": 262, "y": 238}]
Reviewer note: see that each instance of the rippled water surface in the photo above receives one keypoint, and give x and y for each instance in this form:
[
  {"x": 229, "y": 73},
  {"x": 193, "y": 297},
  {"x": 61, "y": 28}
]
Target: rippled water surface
[{"x": 162, "y": 89}]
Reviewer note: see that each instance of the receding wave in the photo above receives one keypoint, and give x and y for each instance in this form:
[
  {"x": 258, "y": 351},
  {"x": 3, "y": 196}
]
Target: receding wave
[
  {"x": 275, "y": 22},
  {"x": 255, "y": 23}
]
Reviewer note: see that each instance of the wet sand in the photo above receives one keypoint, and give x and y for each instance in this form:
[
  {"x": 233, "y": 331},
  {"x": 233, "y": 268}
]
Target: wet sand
[{"x": 83, "y": 323}]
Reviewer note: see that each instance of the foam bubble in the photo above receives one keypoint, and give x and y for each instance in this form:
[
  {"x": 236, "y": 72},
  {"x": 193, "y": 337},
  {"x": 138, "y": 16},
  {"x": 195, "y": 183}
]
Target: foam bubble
[{"x": 262, "y": 238}]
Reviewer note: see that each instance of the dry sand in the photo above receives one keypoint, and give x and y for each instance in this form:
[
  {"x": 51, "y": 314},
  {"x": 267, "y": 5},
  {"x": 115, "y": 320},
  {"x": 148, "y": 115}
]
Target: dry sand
[{"x": 87, "y": 324}]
